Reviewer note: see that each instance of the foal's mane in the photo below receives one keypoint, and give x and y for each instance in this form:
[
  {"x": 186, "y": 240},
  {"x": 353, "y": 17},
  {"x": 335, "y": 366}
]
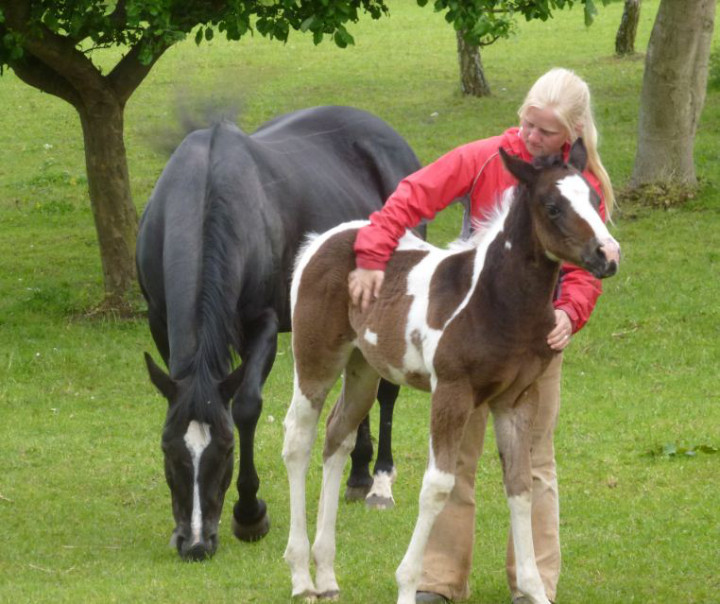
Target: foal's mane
[{"x": 482, "y": 226}]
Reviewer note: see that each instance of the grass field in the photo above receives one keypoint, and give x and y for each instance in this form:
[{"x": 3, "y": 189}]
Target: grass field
[{"x": 83, "y": 502}]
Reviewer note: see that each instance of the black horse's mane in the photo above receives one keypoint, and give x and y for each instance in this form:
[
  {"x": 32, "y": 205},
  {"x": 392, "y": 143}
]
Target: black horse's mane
[{"x": 218, "y": 331}]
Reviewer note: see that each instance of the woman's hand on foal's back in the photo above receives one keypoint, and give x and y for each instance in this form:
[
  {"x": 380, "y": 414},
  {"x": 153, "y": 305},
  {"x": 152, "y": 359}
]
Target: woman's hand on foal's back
[{"x": 364, "y": 286}]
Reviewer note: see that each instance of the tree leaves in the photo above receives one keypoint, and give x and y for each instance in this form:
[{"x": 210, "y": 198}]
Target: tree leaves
[
  {"x": 153, "y": 25},
  {"x": 485, "y": 21}
]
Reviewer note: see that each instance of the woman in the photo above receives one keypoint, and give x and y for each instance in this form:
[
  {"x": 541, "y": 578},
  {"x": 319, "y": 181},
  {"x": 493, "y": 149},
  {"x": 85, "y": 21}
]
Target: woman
[{"x": 556, "y": 111}]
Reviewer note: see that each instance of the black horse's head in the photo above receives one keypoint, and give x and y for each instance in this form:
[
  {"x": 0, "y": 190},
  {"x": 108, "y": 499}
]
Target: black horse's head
[{"x": 197, "y": 443}]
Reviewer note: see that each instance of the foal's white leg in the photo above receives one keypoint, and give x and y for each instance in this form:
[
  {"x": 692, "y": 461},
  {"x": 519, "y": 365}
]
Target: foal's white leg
[
  {"x": 435, "y": 491},
  {"x": 512, "y": 432},
  {"x": 528, "y": 576},
  {"x": 324, "y": 546},
  {"x": 300, "y": 432}
]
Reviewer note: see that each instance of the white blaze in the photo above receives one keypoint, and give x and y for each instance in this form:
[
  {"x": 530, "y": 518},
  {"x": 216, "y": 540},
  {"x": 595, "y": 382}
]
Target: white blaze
[
  {"x": 197, "y": 438},
  {"x": 577, "y": 192}
]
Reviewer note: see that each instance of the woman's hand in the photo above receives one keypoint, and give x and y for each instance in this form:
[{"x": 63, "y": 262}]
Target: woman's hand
[
  {"x": 559, "y": 337},
  {"x": 364, "y": 286}
]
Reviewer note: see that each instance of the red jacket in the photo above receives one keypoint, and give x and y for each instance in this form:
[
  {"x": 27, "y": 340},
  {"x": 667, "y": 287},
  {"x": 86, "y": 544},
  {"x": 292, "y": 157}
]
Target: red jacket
[{"x": 474, "y": 169}]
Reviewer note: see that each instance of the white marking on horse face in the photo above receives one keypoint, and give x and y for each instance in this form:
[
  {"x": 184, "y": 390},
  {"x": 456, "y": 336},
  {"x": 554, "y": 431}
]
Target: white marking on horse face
[
  {"x": 197, "y": 438},
  {"x": 576, "y": 190},
  {"x": 370, "y": 337},
  {"x": 508, "y": 245}
]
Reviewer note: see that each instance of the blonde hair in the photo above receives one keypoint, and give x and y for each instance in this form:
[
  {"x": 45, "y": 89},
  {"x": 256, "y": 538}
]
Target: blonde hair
[{"x": 568, "y": 96}]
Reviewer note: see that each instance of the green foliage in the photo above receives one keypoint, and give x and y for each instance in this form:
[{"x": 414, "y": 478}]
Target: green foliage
[
  {"x": 153, "y": 25},
  {"x": 485, "y": 21},
  {"x": 672, "y": 450}
]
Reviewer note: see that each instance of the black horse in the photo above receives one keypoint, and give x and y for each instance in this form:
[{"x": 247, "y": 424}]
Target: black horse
[{"x": 215, "y": 253}]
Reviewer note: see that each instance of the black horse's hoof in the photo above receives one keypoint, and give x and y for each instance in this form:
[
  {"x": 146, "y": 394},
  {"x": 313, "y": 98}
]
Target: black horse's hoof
[
  {"x": 251, "y": 532},
  {"x": 357, "y": 493}
]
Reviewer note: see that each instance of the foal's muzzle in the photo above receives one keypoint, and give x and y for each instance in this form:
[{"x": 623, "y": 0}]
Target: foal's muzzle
[{"x": 604, "y": 260}]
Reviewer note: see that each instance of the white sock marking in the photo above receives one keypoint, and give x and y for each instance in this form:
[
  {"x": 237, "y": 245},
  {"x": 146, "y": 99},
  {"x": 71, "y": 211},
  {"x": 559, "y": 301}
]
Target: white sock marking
[{"x": 528, "y": 577}]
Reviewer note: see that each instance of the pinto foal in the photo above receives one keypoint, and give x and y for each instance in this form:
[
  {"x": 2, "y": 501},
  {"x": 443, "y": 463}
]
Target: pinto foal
[{"x": 468, "y": 325}]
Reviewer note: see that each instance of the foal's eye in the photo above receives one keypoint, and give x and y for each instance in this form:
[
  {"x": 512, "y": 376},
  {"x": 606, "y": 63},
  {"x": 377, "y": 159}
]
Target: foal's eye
[{"x": 553, "y": 210}]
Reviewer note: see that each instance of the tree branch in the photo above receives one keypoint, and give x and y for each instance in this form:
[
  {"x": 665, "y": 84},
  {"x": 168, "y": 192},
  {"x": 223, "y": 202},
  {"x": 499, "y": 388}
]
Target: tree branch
[
  {"x": 129, "y": 73},
  {"x": 57, "y": 52},
  {"x": 40, "y": 76}
]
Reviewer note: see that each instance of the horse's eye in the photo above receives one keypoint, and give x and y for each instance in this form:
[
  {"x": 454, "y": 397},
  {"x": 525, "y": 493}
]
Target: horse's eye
[{"x": 552, "y": 210}]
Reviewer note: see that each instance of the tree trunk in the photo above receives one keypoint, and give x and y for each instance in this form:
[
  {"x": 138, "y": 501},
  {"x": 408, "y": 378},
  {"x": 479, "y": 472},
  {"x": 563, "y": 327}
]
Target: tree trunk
[
  {"x": 109, "y": 184},
  {"x": 673, "y": 92},
  {"x": 625, "y": 38},
  {"x": 472, "y": 77}
]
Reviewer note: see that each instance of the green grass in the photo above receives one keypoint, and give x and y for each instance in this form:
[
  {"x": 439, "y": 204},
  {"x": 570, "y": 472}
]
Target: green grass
[{"x": 83, "y": 503}]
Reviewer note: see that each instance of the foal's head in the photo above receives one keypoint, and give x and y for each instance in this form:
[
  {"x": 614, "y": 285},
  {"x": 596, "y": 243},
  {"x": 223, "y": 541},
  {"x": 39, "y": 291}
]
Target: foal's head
[
  {"x": 197, "y": 444},
  {"x": 565, "y": 211}
]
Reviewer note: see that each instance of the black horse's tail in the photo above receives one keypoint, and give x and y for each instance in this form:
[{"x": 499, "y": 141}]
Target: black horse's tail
[{"x": 219, "y": 331}]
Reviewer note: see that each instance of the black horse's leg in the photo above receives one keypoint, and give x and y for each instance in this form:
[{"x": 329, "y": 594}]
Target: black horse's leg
[
  {"x": 359, "y": 481},
  {"x": 384, "y": 472},
  {"x": 250, "y": 519}
]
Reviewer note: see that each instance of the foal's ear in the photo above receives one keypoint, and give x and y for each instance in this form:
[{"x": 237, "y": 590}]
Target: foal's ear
[
  {"x": 162, "y": 381},
  {"x": 520, "y": 169},
  {"x": 578, "y": 155}
]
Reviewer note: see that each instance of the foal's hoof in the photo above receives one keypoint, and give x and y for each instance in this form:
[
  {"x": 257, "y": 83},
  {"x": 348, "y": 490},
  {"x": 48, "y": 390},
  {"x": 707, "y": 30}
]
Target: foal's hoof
[
  {"x": 306, "y": 597},
  {"x": 329, "y": 596},
  {"x": 378, "y": 502},
  {"x": 357, "y": 493}
]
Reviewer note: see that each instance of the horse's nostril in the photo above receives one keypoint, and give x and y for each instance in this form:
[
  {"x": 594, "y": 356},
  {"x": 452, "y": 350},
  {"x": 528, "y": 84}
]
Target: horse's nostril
[{"x": 197, "y": 553}]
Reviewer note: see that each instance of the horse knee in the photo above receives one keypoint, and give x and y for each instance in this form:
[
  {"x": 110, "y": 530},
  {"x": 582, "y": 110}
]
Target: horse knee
[
  {"x": 300, "y": 426},
  {"x": 339, "y": 439},
  {"x": 436, "y": 488},
  {"x": 246, "y": 408}
]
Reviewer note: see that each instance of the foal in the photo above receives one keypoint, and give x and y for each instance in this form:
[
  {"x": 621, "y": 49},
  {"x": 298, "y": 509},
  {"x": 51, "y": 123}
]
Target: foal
[{"x": 468, "y": 325}]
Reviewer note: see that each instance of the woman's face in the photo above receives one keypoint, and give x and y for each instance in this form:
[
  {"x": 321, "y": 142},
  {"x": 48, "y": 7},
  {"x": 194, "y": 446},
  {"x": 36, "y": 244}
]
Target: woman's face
[{"x": 542, "y": 132}]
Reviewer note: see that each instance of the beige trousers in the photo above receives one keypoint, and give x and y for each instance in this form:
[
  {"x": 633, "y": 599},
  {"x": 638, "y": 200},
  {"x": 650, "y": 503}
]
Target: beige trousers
[{"x": 448, "y": 556}]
